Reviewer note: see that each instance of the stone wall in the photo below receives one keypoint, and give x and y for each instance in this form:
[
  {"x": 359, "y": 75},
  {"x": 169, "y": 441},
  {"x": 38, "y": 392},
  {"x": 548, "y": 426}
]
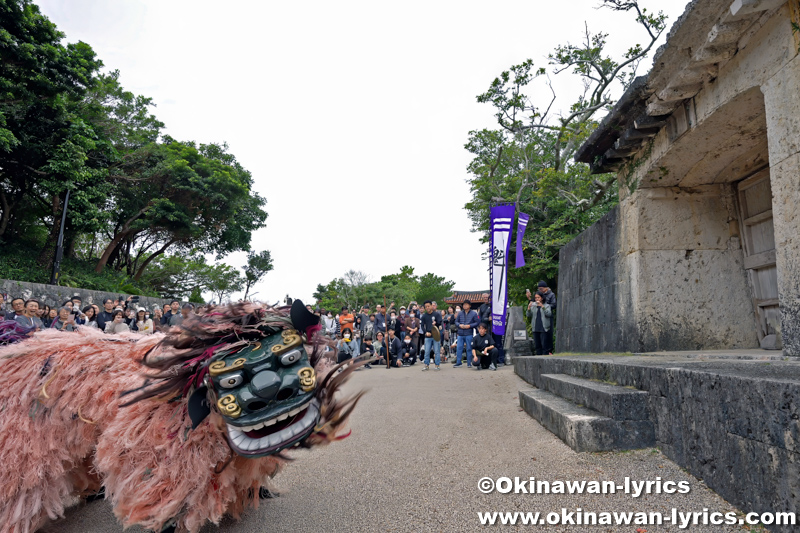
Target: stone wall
[
  {"x": 594, "y": 291},
  {"x": 664, "y": 270},
  {"x": 782, "y": 101},
  {"x": 733, "y": 424},
  {"x": 682, "y": 251},
  {"x": 55, "y": 295}
]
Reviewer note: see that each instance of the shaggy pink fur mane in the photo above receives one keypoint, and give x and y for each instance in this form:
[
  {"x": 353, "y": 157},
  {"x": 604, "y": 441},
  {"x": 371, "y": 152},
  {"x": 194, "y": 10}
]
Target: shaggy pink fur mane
[{"x": 63, "y": 431}]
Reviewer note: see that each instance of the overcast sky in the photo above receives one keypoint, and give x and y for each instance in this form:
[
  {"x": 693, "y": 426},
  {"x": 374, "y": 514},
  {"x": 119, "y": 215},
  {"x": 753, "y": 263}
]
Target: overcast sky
[{"x": 351, "y": 115}]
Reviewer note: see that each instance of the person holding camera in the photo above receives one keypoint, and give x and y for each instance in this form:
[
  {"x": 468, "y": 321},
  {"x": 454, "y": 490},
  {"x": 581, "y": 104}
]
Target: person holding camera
[
  {"x": 540, "y": 313},
  {"x": 65, "y": 320},
  {"x": 117, "y": 323}
]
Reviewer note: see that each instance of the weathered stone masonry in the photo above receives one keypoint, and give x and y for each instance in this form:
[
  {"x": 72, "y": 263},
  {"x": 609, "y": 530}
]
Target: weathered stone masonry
[{"x": 703, "y": 251}]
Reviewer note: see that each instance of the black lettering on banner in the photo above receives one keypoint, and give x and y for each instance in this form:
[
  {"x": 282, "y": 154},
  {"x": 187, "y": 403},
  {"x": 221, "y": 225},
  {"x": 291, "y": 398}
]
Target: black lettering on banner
[{"x": 498, "y": 257}]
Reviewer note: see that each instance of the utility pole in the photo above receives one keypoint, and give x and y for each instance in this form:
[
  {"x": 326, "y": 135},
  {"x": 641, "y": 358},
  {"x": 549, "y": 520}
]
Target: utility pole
[{"x": 60, "y": 245}]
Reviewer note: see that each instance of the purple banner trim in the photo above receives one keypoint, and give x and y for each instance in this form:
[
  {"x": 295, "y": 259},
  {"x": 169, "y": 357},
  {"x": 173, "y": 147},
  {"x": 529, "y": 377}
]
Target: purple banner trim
[
  {"x": 501, "y": 218},
  {"x": 522, "y": 223}
]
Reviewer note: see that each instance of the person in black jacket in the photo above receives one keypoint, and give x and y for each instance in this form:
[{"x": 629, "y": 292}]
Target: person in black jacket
[
  {"x": 394, "y": 347},
  {"x": 428, "y": 321},
  {"x": 394, "y": 323},
  {"x": 106, "y": 315},
  {"x": 408, "y": 352},
  {"x": 484, "y": 351},
  {"x": 174, "y": 309},
  {"x": 367, "y": 348},
  {"x": 485, "y": 313}
]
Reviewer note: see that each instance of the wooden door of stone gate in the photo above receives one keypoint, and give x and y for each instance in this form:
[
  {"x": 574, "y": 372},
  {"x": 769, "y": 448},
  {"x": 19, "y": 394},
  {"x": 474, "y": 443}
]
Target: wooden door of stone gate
[{"x": 755, "y": 216}]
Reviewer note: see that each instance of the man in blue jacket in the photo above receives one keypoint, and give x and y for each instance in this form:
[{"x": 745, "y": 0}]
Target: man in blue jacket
[{"x": 466, "y": 321}]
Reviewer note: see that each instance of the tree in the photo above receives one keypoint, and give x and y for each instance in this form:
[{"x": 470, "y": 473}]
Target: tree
[
  {"x": 328, "y": 295},
  {"x": 433, "y": 287},
  {"x": 353, "y": 288},
  {"x": 223, "y": 280},
  {"x": 137, "y": 200},
  {"x": 179, "y": 194},
  {"x": 43, "y": 142},
  {"x": 527, "y": 161},
  {"x": 258, "y": 265}
]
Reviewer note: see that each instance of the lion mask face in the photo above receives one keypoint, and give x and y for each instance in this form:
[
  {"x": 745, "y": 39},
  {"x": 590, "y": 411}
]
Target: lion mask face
[{"x": 265, "y": 394}]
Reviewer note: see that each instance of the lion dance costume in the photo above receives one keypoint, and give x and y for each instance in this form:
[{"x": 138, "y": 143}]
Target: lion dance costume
[{"x": 178, "y": 429}]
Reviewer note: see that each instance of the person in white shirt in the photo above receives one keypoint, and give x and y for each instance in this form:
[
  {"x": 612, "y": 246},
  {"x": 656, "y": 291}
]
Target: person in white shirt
[{"x": 144, "y": 324}]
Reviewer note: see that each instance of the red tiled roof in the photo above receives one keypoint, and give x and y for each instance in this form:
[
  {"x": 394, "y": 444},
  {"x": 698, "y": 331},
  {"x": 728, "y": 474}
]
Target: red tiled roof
[{"x": 473, "y": 296}]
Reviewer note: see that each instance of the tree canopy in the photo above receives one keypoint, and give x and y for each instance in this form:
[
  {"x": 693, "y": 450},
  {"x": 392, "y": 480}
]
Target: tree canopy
[
  {"x": 138, "y": 200},
  {"x": 355, "y": 289},
  {"x": 527, "y": 159}
]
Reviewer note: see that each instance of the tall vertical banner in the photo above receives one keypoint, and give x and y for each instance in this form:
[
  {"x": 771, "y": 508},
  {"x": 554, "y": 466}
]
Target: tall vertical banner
[
  {"x": 501, "y": 218},
  {"x": 522, "y": 223}
]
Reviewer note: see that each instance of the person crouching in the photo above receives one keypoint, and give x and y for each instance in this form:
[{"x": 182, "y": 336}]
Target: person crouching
[
  {"x": 408, "y": 351},
  {"x": 392, "y": 349},
  {"x": 484, "y": 352}
]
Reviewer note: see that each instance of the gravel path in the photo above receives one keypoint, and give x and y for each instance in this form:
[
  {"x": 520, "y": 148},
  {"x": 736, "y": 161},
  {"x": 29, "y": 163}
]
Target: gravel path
[{"x": 420, "y": 443}]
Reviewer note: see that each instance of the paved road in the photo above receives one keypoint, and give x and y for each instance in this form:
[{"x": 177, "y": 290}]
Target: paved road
[{"x": 420, "y": 443}]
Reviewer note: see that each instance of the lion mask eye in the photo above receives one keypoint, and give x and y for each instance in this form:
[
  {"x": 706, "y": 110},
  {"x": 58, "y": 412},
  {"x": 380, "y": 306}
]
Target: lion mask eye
[
  {"x": 290, "y": 358},
  {"x": 230, "y": 381}
]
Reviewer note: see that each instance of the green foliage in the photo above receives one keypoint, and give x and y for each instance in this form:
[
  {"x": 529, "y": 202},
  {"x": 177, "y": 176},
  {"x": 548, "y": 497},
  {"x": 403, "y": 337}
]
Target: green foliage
[
  {"x": 196, "y": 296},
  {"x": 17, "y": 263},
  {"x": 223, "y": 280},
  {"x": 433, "y": 287},
  {"x": 258, "y": 265},
  {"x": 134, "y": 197},
  {"x": 354, "y": 289},
  {"x": 527, "y": 161}
]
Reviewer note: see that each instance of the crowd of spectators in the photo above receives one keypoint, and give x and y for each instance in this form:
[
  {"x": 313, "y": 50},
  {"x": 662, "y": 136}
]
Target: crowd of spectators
[
  {"x": 407, "y": 334},
  {"x": 118, "y": 315},
  {"x": 401, "y": 336}
]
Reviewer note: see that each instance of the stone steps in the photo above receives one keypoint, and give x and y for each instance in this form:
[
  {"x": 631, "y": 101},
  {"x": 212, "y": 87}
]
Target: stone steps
[
  {"x": 613, "y": 401},
  {"x": 590, "y": 416}
]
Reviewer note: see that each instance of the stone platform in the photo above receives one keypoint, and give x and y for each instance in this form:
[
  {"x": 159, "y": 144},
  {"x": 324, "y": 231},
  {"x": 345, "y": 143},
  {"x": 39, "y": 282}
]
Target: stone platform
[{"x": 730, "y": 418}]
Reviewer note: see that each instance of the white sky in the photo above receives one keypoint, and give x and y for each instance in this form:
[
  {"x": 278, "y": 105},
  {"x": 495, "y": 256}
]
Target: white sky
[{"x": 351, "y": 115}]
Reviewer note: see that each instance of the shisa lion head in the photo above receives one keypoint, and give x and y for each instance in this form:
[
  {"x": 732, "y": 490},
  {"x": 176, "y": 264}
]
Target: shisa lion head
[
  {"x": 250, "y": 364},
  {"x": 265, "y": 394}
]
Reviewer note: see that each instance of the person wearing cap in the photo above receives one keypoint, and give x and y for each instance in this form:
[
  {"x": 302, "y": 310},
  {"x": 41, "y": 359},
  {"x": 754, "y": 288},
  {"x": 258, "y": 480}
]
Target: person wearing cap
[
  {"x": 401, "y": 333},
  {"x": 394, "y": 323},
  {"x": 548, "y": 295},
  {"x": 466, "y": 321},
  {"x": 143, "y": 323}
]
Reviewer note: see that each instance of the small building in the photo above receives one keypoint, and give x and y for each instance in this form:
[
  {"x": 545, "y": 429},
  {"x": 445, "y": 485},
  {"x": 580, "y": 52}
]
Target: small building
[
  {"x": 476, "y": 298},
  {"x": 703, "y": 250}
]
